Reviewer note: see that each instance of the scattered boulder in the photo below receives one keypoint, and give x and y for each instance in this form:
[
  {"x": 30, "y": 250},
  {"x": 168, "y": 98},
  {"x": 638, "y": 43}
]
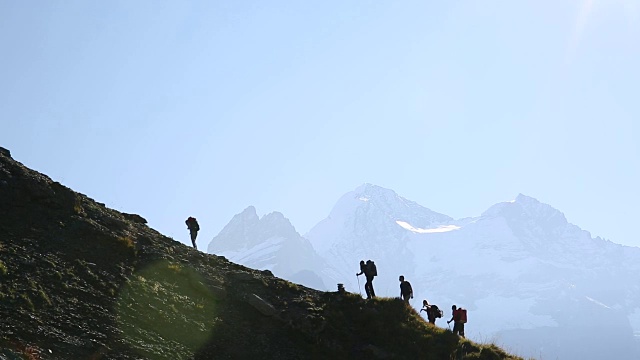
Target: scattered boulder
[
  {"x": 135, "y": 218},
  {"x": 267, "y": 272},
  {"x": 5, "y": 152},
  {"x": 261, "y": 305}
]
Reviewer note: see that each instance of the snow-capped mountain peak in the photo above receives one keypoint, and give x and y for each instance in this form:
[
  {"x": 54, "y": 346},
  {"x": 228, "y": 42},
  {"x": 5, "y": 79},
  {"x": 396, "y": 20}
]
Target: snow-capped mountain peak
[
  {"x": 244, "y": 223},
  {"x": 374, "y": 191},
  {"x": 368, "y": 199},
  {"x": 533, "y": 207},
  {"x": 269, "y": 243},
  {"x": 525, "y": 214}
]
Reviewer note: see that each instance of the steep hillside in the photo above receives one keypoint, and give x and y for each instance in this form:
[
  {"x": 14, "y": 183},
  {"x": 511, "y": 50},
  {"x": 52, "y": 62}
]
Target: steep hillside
[{"x": 81, "y": 281}]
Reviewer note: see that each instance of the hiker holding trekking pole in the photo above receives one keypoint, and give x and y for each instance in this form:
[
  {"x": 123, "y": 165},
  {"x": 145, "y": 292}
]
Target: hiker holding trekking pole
[
  {"x": 459, "y": 318},
  {"x": 369, "y": 270}
]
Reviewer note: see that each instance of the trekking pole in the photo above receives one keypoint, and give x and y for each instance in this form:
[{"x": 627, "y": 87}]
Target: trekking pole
[{"x": 360, "y": 291}]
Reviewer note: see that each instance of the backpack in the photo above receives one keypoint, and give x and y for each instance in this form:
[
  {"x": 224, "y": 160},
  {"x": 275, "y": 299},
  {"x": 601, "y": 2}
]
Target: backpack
[
  {"x": 371, "y": 268},
  {"x": 192, "y": 223},
  {"x": 405, "y": 287},
  {"x": 437, "y": 313},
  {"x": 462, "y": 315}
]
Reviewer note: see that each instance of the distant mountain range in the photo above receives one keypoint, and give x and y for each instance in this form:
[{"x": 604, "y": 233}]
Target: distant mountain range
[{"x": 530, "y": 280}]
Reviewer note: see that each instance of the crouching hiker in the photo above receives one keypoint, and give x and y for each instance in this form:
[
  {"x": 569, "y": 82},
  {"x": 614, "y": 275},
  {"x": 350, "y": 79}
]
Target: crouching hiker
[
  {"x": 426, "y": 307},
  {"x": 433, "y": 312},
  {"x": 406, "y": 292},
  {"x": 459, "y": 318}
]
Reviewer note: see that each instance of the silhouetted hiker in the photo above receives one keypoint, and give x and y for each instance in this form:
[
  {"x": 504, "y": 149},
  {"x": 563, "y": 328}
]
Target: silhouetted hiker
[
  {"x": 433, "y": 311},
  {"x": 406, "y": 292},
  {"x": 193, "y": 226},
  {"x": 459, "y": 317},
  {"x": 369, "y": 270},
  {"x": 425, "y": 307}
]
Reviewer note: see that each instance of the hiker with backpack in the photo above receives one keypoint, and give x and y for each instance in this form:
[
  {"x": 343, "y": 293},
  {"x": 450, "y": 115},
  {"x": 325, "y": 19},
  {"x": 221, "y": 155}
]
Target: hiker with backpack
[
  {"x": 369, "y": 270},
  {"x": 459, "y": 318},
  {"x": 192, "y": 225},
  {"x": 406, "y": 291},
  {"x": 433, "y": 311}
]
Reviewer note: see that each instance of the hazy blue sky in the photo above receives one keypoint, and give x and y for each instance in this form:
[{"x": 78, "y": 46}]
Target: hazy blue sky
[{"x": 171, "y": 109}]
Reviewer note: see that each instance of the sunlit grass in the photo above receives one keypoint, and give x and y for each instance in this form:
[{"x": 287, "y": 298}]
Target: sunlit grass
[{"x": 166, "y": 301}]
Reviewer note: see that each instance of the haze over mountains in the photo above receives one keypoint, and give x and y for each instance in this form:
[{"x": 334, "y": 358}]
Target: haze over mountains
[{"x": 532, "y": 281}]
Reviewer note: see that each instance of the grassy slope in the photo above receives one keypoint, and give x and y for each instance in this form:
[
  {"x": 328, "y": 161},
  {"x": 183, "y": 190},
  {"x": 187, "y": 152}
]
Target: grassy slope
[{"x": 81, "y": 281}]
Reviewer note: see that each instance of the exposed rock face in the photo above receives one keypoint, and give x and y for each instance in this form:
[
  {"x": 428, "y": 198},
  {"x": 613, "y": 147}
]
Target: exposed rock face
[
  {"x": 135, "y": 218},
  {"x": 5, "y": 152},
  {"x": 261, "y": 305}
]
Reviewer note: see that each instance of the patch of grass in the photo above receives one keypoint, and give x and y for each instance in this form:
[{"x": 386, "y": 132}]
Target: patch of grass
[
  {"x": 77, "y": 207},
  {"x": 175, "y": 267},
  {"x": 26, "y": 298},
  {"x": 156, "y": 287},
  {"x": 391, "y": 318},
  {"x": 81, "y": 262},
  {"x": 126, "y": 241},
  {"x": 45, "y": 297},
  {"x": 287, "y": 285},
  {"x": 50, "y": 262},
  {"x": 69, "y": 273},
  {"x": 93, "y": 275},
  {"x": 166, "y": 300},
  {"x": 3, "y": 268}
]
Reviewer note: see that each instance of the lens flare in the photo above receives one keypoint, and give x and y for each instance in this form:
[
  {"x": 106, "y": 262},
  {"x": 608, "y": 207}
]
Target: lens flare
[{"x": 165, "y": 309}]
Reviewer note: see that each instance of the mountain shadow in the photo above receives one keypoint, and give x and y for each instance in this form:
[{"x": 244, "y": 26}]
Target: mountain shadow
[{"x": 82, "y": 281}]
